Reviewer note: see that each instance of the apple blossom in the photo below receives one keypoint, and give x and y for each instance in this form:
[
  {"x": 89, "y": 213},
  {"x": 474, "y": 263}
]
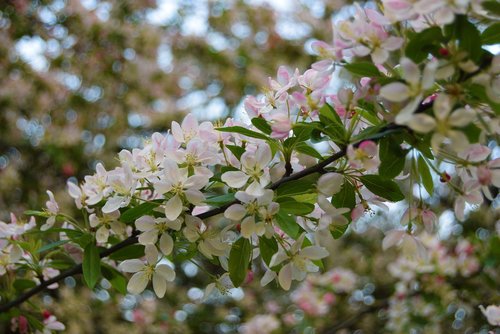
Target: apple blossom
[
  {"x": 298, "y": 261},
  {"x": 143, "y": 273},
  {"x": 492, "y": 313},
  {"x": 254, "y": 168},
  {"x": 182, "y": 187},
  {"x": 417, "y": 83}
]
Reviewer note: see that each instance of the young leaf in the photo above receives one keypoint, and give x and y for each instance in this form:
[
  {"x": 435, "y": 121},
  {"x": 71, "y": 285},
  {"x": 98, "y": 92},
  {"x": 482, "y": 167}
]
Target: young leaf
[
  {"x": 332, "y": 124},
  {"x": 244, "y": 131},
  {"x": 268, "y": 247},
  {"x": 52, "y": 245},
  {"x": 239, "y": 258},
  {"x": 290, "y": 205},
  {"x": 220, "y": 200},
  {"x": 23, "y": 284},
  {"x": 346, "y": 197},
  {"x": 91, "y": 265},
  {"x": 262, "y": 125},
  {"x": 236, "y": 150},
  {"x": 425, "y": 42},
  {"x": 130, "y": 215},
  {"x": 363, "y": 69},
  {"x": 491, "y": 35},
  {"x": 338, "y": 231},
  {"x": 297, "y": 187},
  {"x": 114, "y": 277},
  {"x": 384, "y": 188},
  {"x": 129, "y": 252},
  {"x": 308, "y": 150},
  {"x": 425, "y": 175},
  {"x": 392, "y": 158},
  {"x": 288, "y": 224}
]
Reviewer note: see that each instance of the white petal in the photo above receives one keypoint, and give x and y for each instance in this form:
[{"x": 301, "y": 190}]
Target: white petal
[
  {"x": 462, "y": 117},
  {"x": 194, "y": 196},
  {"x": 166, "y": 244},
  {"x": 285, "y": 276},
  {"x": 148, "y": 238},
  {"x": 74, "y": 190},
  {"x": 159, "y": 285},
  {"x": 330, "y": 183},
  {"x": 255, "y": 189},
  {"x": 114, "y": 203},
  {"x": 314, "y": 252},
  {"x": 268, "y": 277},
  {"x": 277, "y": 258},
  {"x": 248, "y": 227},
  {"x": 411, "y": 72},
  {"x": 379, "y": 56},
  {"x": 165, "y": 271},
  {"x": 235, "y": 212},
  {"x": 422, "y": 123},
  {"x": 102, "y": 234},
  {"x": 235, "y": 179},
  {"x": 173, "y": 208},
  {"x": 131, "y": 266},
  {"x": 145, "y": 223},
  {"x": 395, "y": 92},
  {"x": 151, "y": 254},
  {"x": 263, "y": 155},
  {"x": 137, "y": 283},
  {"x": 392, "y": 238}
]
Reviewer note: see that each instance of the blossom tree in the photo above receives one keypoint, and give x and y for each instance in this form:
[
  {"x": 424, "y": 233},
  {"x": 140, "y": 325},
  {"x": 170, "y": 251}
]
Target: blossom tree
[{"x": 417, "y": 108}]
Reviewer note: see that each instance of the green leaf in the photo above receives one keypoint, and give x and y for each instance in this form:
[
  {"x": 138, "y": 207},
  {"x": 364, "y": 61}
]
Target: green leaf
[
  {"x": 491, "y": 35},
  {"x": 34, "y": 322},
  {"x": 244, "y": 131},
  {"x": 302, "y": 131},
  {"x": 423, "y": 43},
  {"x": 290, "y": 205},
  {"x": 35, "y": 213},
  {"x": 91, "y": 265},
  {"x": 338, "y": 231},
  {"x": 62, "y": 264},
  {"x": 425, "y": 175},
  {"x": 375, "y": 132},
  {"x": 236, "y": 150},
  {"x": 384, "y": 188},
  {"x": 220, "y": 200},
  {"x": 492, "y": 6},
  {"x": 114, "y": 277},
  {"x": 333, "y": 126},
  {"x": 262, "y": 125},
  {"x": 52, "y": 245},
  {"x": 185, "y": 251},
  {"x": 23, "y": 284},
  {"x": 346, "y": 197},
  {"x": 469, "y": 38},
  {"x": 129, "y": 252},
  {"x": 239, "y": 258},
  {"x": 363, "y": 69},
  {"x": 268, "y": 247},
  {"x": 297, "y": 187},
  {"x": 308, "y": 150},
  {"x": 143, "y": 209},
  {"x": 288, "y": 224},
  {"x": 392, "y": 158}
]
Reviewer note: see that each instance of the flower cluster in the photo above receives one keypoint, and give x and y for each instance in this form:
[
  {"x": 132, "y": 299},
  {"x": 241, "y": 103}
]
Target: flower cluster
[{"x": 308, "y": 163}]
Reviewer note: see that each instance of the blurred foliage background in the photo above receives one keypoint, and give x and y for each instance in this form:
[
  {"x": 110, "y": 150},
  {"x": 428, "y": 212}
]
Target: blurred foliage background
[{"x": 82, "y": 79}]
